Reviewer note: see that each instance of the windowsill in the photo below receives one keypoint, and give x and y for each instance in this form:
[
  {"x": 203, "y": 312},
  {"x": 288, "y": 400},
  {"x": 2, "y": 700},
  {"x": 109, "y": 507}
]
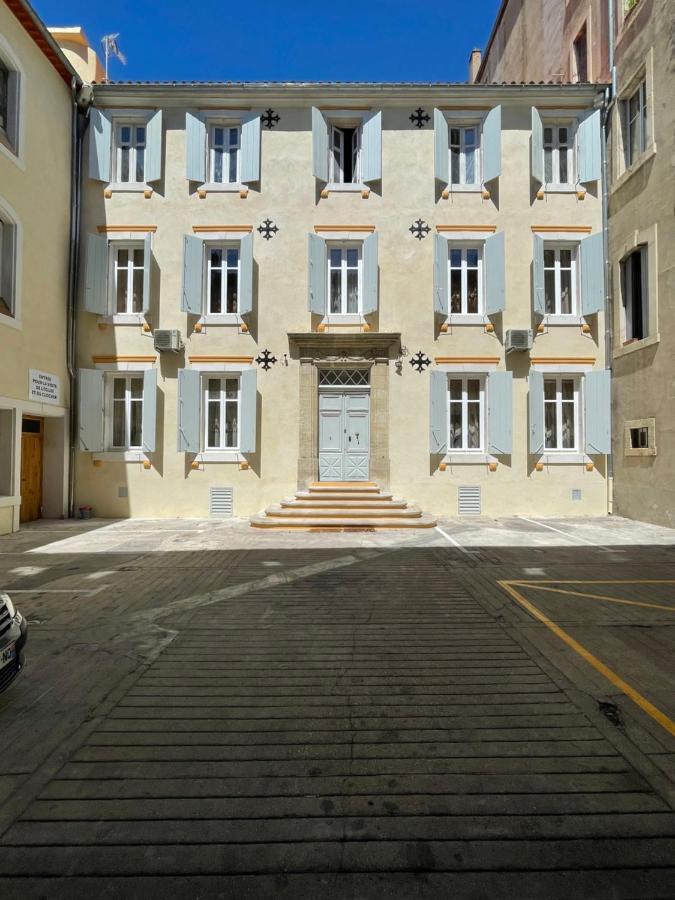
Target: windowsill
[
  {"x": 478, "y": 320},
  {"x": 223, "y": 319},
  {"x": 123, "y": 319},
  {"x": 121, "y": 456},
  {"x": 335, "y": 187},
  {"x": 553, "y": 320},
  {"x": 6, "y": 500},
  {"x": 636, "y": 345},
  {"x": 8, "y": 149},
  {"x": 560, "y": 188},
  {"x": 463, "y": 189},
  {"x": 468, "y": 459},
  {"x": 346, "y": 319},
  {"x": 648, "y": 154},
  {"x": 640, "y": 451},
  {"x": 222, "y": 188},
  {"x": 10, "y": 321},
  {"x": 564, "y": 457},
  {"x": 220, "y": 456},
  {"x": 128, "y": 187}
]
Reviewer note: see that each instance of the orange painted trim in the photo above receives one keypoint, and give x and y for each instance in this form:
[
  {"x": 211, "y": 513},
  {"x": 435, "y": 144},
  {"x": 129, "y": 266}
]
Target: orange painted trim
[
  {"x": 562, "y": 360},
  {"x": 568, "y": 229},
  {"x": 466, "y": 359},
  {"x": 453, "y": 228},
  {"x": 111, "y": 229},
  {"x": 110, "y": 359},
  {"x": 223, "y": 359},
  {"x": 332, "y": 228},
  {"x": 210, "y": 229}
]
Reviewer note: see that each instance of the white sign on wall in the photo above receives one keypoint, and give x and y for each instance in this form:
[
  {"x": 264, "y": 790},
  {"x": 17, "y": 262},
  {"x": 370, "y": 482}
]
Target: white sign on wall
[{"x": 43, "y": 387}]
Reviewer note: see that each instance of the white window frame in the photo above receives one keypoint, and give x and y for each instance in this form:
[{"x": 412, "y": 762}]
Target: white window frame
[
  {"x": 222, "y": 402},
  {"x": 224, "y": 246},
  {"x": 12, "y": 145},
  {"x": 641, "y": 122},
  {"x": 464, "y": 246},
  {"x": 113, "y": 248},
  {"x": 132, "y": 122},
  {"x": 465, "y": 377},
  {"x": 227, "y": 148},
  {"x": 336, "y": 167},
  {"x": 463, "y": 125},
  {"x": 555, "y": 124},
  {"x": 557, "y": 246},
  {"x": 343, "y": 246},
  {"x": 110, "y": 380},
  {"x": 627, "y": 297},
  {"x": 558, "y": 401},
  {"x": 8, "y": 215}
]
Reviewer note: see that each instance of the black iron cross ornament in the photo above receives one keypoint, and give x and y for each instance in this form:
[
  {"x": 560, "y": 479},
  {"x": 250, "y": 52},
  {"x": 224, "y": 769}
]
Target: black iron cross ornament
[
  {"x": 419, "y": 229},
  {"x": 420, "y": 361},
  {"x": 265, "y": 360},
  {"x": 268, "y": 229},
  {"x": 269, "y": 118},
  {"x": 419, "y": 117}
]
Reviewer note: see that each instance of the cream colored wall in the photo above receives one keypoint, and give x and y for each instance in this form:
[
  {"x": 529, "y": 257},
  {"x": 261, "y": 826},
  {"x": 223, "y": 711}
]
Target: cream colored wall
[{"x": 288, "y": 195}]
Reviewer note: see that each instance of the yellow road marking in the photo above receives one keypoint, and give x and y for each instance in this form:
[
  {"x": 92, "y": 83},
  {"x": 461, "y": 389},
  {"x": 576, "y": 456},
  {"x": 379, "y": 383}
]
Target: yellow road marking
[
  {"x": 663, "y": 720},
  {"x": 594, "y": 581},
  {"x": 541, "y": 587}
]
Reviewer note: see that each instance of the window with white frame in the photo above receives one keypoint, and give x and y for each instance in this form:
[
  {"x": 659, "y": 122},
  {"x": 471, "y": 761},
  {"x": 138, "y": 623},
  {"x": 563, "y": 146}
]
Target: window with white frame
[
  {"x": 9, "y": 106},
  {"x": 224, "y": 154},
  {"x": 222, "y": 279},
  {"x": 635, "y": 295},
  {"x": 559, "y": 153},
  {"x": 4, "y": 97},
  {"x": 561, "y": 413},
  {"x": 344, "y": 279},
  {"x": 464, "y": 154},
  {"x": 130, "y": 144},
  {"x": 7, "y": 265},
  {"x": 465, "y": 279},
  {"x": 345, "y": 154},
  {"x": 466, "y": 421},
  {"x": 221, "y": 412},
  {"x": 560, "y": 279},
  {"x": 127, "y": 264},
  {"x": 636, "y": 125},
  {"x": 125, "y": 412}
]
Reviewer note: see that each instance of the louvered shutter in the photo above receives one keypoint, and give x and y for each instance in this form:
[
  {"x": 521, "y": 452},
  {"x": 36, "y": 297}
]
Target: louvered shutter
[
  {"x": 147, "y": 273},
  {"x": 500, "y": 413},
  {"x": 438, "y": 412},
  {"x": 317, "y": 275},
  {"x": 248, "y": 399},
  {"x": 90, "y": 409},
  {"x": 589, "y": 147},
  {"x": 536, "y": 412},
  {"x": 441, "y": 148},
  {"x": 250, "y": 148},
  {"x": 149, "y": 427},
  {"x": 495, "y": 274},
  {"x": 189, "y": 411},
  {"x": 153, "y": 147},
  {"x": 192, "y": 300},
  {"x": 592, "y": 260},
  {"x": 370, "y": 274},
  {"x": 100, "y": 144},
  {"x": 371, "y": 148},
  {"x": 537, "y": 147},
  {"x": 319, "y": 145},
  {"x": 538, "y": 292},
  {"x": 246, "y": 274},
  {"x": 195, "y": 147},
  {"x": 492, "y": 144},
  {"x": 441, "y": 276},
  {"x": 95, "y": 294},
  {"x": 598, "y": 412}
]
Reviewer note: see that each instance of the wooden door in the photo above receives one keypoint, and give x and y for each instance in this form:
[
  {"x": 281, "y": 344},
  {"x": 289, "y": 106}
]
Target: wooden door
[
  {"x": 31, "y": 468},
  {"x": 344, "y": 436}
]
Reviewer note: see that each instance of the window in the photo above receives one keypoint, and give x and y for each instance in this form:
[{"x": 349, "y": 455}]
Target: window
[
  {"x": 222, "y": 291},
  {"x": 467, "y": 416},
  {"x": 634, "y": 294},
  {"x": 636, "y": 134},
  {"x": 464, "y": 161},
  {"x": 4, "y": 97},
  {"x": 580, "y": 56},
  {"x": 126, "y": 412},
  {"x": 345, "y": 155},
  {"x": 127, "y": 264},
  {"x": 466, "y": 280},
  {"x": 221, "y": 405},
  {"x": 640, "y": 437},
  {"x": 224, "y": 155},
  {"x": 344, "y": 279},
  {"x": 560, "y": 280},
  {"x": 558, "y": 153},
  {"x": 130, "y": 143},
  {"x": 561, "y": 401},
  {"x": 9, "y": 105}
]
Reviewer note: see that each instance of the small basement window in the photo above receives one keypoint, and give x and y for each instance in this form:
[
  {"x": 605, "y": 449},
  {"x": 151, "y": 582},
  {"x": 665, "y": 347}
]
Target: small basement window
[{"x": 640, "y": 437}]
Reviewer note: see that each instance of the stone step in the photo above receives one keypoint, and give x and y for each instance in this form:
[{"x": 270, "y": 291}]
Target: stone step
[
  {"x": 327, "y": 524},
  {"x": 320, "y": 503},
  {"x": 410, "y": 512},
  {"x": 343, "y": 495},
  {"x": 351, "y": 487}
]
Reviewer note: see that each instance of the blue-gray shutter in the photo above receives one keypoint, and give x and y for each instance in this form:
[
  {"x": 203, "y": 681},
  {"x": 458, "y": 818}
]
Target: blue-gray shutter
[
  {"x": 370, "y": 272},
  {"x": 189, "y": 410},
  {"x": 246, "y": 274},
  {"x": 598, "y": 412},
  {"x": 538, "y": 292},
  {"x": 441, "y": 276},
  {"x": 441, "y": 148},
  {"x": 492, "y": 144},
  {"x": 319, "y": 145},
  {"x": 250, "y": 148},
  {"x": 95, "y": 295},
  {"x": 317, "y": 275},
  {"x": 371, "y": 148},
  {"x": 147, "y": 273},
  {"x": 592, "y": 261},
  {"x": 438, "y": 412},
  {"x": 149, "y": 426},
  {"x": 589, "y": 148},
  {"x": 195, "y": 147},
  {"x": 100, "y": 144},
  {"x": 153, "y": 147},
  {"x": 90, "y": 409},
  {"x": 495, "y": 274},
  {"x": 536, "y": 411},
  {"x": 8, "y": 268},
  {"x": 500, "y": 413},
  {"x": 537, "y": 147},
  {"x": 248, "y": 408},
  {"x": 192, "y": 300}
]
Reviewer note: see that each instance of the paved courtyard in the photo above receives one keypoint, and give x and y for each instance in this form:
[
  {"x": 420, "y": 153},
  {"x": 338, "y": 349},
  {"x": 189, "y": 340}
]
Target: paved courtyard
[{"x": 482, "y": 710}]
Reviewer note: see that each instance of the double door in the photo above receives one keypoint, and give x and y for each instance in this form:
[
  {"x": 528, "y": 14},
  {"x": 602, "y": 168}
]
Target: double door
[{"x": 344, "y": 435}]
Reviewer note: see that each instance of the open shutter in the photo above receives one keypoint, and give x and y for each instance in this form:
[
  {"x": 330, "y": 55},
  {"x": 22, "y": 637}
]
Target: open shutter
[
  {"x": 195, "y": 147},
  {"x": 441, "y": 148},
  {"x": 592, "y": 260},
  {"x": 495, "y": 274},
  {"x": 100, "y": 144},
  {"x": 500, "y": 413},
  {"x": 319, "y": 145},
  {"x": 589, "y": 148},
  {"x": 536, "y": 410},
  {"x": 438, "y": 412},
  {"x": 153, "y": 147},
  {"x": 246, "y": 274},
  {"x": 371, "y": 148},
  {"x": 248, "y": 399},
  {"x": 189, "y": 410},
  {"x": 8, "y": 267},
  {"x": 193, "y": 275},
  {"x": 537, "y": 147},
  {"x": 250, "y": 148},
  {"x": 147, "y": 273},
  {"x": 370, "y": 274},
  {"x": 441, "y": 277},
  {"x": 90, "y": 409},
  {"x": 317, "y": 275},
  {"x": 149, "y": 427},
  {"x": 539, "y": 296},
  {"x": 492, "y": 144},
  {"x": 598, "y": 412},
  {"x": 95, "y": 296}
]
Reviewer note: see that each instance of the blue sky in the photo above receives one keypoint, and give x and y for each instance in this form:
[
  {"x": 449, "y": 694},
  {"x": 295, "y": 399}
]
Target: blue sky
[{"x": 389, "y": 40}]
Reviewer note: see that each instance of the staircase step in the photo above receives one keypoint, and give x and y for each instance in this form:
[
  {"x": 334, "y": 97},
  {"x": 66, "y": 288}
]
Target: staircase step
[
  {"x": 343, "y": 495},
  {"x": 337, "y": 513},
  {"x": 329, "y": 524},
  {"x": 350, "y": 487},
  {"x": 343, "y": 504}
]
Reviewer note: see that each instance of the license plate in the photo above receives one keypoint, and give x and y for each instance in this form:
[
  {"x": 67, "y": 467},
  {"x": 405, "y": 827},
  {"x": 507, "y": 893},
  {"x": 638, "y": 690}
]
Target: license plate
[{"x": 7, "y": 655}]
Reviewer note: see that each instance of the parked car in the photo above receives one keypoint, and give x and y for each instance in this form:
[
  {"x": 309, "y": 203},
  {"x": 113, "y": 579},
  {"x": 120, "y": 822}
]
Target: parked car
[{"x": 13, "y": 636}]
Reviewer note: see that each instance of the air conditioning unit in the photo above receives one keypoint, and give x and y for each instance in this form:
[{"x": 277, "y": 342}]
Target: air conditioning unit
[
  {"x": 168, "y": 340},
  {"x": 518, "y": 339}
]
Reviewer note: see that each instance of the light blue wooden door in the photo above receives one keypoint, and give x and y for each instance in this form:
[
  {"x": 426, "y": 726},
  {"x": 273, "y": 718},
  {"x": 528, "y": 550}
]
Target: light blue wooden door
[
  {"x": 357, "y": 429},
  {"x": 344, "y": 436},
  {"x": 331, "y": 436}
]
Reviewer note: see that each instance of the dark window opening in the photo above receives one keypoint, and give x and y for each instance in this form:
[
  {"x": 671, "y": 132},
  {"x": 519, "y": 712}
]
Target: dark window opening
[
  {"x": 31, "y": 426},
  {"x": 349, "y": 167},
  {"x": 634, "y": 280},
  {"x": 4, "y": 96},
  {"x": 639, "y": 438},
  {"x": 581, "y": 55}
]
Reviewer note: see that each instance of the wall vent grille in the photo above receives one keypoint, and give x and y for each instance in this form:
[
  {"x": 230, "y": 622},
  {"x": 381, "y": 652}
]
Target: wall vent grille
[
  {"x": 468, "y": 500},
  {"x": 576, "y": 494},
  {"x": 221, "y": 502}
]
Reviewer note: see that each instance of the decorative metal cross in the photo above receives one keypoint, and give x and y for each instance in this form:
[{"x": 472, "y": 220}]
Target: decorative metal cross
[
  {"x": 269, "y": 118},
  {"x": 419, "y": 117},
  {"x": 419, "y": 229},
  {"x": 268, "y": 229},
  {"x": 266, "y": 360},
  {"x": 420, "y": 361}
]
